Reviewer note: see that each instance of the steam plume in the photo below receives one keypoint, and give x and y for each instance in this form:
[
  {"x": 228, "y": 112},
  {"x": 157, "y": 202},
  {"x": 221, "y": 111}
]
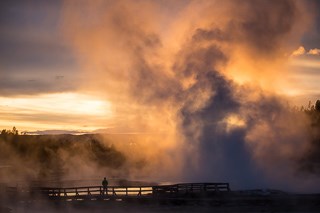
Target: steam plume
[{"x": 205, "y": 73}]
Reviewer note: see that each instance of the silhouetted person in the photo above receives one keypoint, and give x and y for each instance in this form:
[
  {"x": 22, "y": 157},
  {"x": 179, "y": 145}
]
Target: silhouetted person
[{"x": 105, "y": 186}]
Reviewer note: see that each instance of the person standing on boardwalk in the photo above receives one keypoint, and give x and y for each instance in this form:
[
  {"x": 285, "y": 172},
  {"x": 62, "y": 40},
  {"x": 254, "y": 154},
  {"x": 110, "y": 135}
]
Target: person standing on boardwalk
[{"x": 105, "y": 186}]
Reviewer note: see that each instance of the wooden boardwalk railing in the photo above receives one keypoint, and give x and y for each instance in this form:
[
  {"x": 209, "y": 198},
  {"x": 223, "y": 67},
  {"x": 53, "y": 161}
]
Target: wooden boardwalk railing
[
  {"x": 119, "y": 192},
  {"x": 97, "y": 191},
  {"x": 187, "y": 188}
]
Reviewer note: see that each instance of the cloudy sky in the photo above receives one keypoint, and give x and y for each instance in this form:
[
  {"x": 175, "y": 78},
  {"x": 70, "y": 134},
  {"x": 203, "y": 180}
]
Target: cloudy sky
[
  {"x": 40, "y": 76},
  {"x": 48, "y": 61},
  {"x": 211, "y": 83}
]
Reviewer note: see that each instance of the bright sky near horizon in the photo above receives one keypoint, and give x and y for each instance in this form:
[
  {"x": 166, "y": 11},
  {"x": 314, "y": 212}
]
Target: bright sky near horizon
[{"x": 41, "y": 82}]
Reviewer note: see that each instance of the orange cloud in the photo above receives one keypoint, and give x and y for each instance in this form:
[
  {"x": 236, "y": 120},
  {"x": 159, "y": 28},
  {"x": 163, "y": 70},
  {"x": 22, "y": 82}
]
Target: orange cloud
[
  {"x": 314, "y": 51},
  {"x": 300, "y": 51}
]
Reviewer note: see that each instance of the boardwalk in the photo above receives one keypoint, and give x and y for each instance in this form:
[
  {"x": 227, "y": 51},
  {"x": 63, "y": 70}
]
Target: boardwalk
[
  {"x": 122, "y": 192},
  {"x": 187, "y": 197}
]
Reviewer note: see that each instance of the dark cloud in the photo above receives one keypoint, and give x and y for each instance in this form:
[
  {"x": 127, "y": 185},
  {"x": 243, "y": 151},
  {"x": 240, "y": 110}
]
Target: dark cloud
[
  {"x": 311, "y": 39},
  {"x": 263, "y": 23},
  {"x": 23, "y": 85},
  {"x": 30, "y": 13},
  {"x": 28, "y": 52},
  {"x": 31, "y": 47},
  {"x": 216, "y": 34}
]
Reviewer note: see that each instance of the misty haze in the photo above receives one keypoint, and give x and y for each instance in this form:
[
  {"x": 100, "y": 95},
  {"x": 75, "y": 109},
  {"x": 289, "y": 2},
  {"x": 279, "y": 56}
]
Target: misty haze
[{"x": 160, "y": 106}]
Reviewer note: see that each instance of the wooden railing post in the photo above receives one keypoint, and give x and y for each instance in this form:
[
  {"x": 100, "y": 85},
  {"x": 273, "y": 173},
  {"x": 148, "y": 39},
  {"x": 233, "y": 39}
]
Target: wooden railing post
[{"x": 153, "y": 191}]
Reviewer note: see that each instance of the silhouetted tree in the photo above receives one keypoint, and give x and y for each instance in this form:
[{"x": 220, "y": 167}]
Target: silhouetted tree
[
  {"x": 317, "y": 107},
  {"x": 4, "y": 132},
  {"x": 14, "y": 131},
  {"x": 310, "y": 160}
]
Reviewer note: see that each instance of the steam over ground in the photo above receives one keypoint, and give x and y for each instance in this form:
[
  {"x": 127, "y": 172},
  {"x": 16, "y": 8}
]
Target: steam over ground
[
  {"x": 204, "y": 80},
  {"x": 207, "y": 74}
]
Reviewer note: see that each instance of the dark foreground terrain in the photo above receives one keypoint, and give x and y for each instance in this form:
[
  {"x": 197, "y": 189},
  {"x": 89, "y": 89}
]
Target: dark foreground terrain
[{"x": 230, "y": 202}]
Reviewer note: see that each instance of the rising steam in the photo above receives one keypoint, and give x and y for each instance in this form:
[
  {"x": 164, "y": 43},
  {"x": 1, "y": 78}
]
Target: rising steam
[{"x": 203, "y": 77}]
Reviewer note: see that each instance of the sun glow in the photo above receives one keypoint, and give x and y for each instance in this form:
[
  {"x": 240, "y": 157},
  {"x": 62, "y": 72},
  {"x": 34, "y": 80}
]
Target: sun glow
[
  {"x": 57, "y": 111},
  {"x": 233, "y": 122}
]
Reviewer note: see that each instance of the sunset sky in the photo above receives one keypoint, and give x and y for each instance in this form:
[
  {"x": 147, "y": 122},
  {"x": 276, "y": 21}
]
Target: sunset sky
[
  {"x": 49, "y": 78},
  {"x": 206, "y": 88}
]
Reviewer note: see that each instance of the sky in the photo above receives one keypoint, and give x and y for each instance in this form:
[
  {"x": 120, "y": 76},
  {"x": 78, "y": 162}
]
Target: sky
[
  {"x": 40, "y": 76},
  {"x": 46, "y": 85},
  {"x": 212, "y": 83}
]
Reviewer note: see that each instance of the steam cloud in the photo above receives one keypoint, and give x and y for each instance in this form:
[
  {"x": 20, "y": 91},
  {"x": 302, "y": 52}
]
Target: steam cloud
[{"x": 205, "y": 73}]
